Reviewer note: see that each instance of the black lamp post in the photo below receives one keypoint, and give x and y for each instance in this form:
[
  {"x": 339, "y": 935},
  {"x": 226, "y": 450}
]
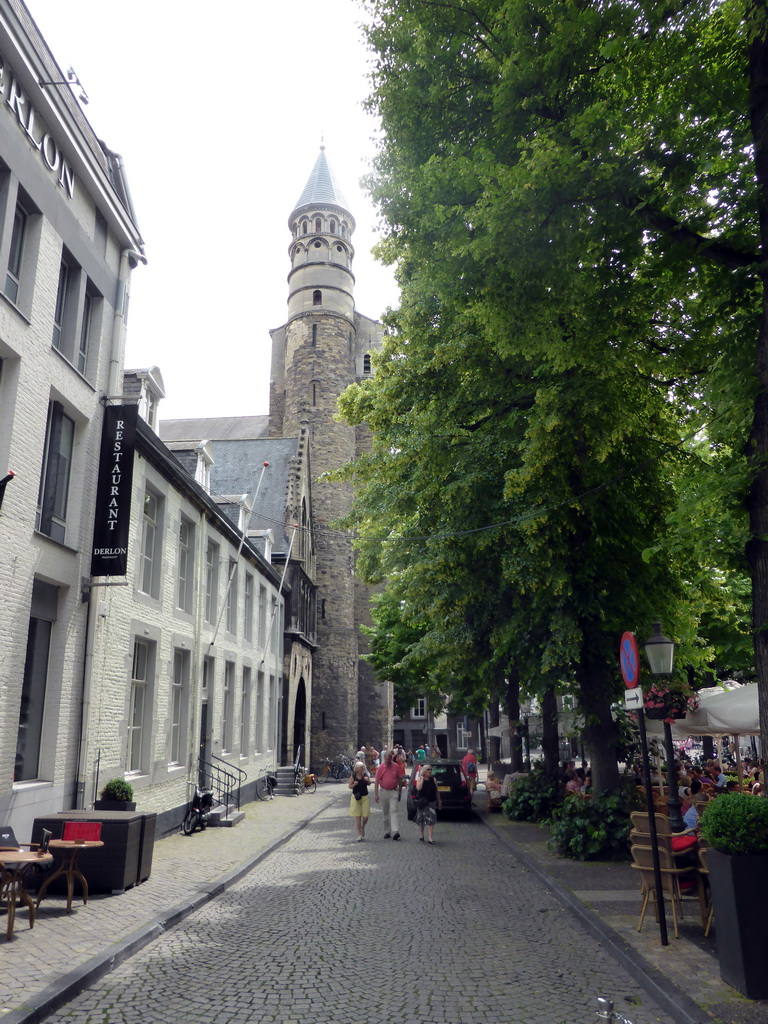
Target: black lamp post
[{"x": 660, "y": 651}]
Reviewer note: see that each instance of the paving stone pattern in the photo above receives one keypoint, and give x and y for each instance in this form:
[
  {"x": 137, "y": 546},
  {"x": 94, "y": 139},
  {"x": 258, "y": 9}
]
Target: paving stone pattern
[{"x": 332, "y": 931}]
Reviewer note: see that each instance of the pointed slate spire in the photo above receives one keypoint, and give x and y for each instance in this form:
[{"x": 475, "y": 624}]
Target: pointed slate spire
[{"x": 322, "y": 186}]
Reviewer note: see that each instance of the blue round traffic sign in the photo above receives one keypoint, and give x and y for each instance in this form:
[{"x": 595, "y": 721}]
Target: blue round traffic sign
[{"x": 629, "y": 660}]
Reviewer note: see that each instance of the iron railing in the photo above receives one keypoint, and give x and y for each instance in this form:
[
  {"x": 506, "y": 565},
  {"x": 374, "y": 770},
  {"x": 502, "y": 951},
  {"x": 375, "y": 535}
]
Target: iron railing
[{"x": 226, "y": 782}]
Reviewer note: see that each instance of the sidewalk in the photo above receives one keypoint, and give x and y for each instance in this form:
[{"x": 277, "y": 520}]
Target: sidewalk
[
  {"x": 41, "y": 969},
  {"x": 682, "y": 977}
]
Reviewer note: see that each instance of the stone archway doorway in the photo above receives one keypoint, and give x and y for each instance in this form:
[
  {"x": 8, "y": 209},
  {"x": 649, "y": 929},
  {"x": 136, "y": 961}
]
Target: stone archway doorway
[{"x": 300, "y": 720}]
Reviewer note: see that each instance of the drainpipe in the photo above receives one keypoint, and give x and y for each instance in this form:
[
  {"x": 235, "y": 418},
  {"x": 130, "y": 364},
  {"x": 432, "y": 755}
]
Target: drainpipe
[{"x": 129, "y": 260}]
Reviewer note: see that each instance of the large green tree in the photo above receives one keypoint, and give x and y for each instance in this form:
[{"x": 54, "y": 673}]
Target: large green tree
[{"x": 573, "y": 194}]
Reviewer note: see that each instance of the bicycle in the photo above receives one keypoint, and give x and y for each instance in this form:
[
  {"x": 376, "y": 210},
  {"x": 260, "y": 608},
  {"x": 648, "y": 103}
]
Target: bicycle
[
  {"x": 343, "y": 767},
  {"x": 304, "y": 781},
  {"x": 265, "y": 784}
]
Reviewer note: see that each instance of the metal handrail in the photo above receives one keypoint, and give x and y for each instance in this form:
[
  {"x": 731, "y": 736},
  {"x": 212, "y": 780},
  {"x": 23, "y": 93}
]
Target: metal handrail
[{"x": 225, "y": 782}]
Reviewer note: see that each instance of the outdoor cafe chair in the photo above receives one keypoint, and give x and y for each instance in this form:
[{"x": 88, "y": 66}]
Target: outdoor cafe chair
[
  {"x": 16, "y": 859},
  {"x": 677, "y": 884},
  {"x": 704, "y": 869}
]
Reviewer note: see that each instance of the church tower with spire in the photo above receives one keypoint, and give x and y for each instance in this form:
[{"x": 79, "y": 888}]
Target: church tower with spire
[{"x": 324, "y": 346}]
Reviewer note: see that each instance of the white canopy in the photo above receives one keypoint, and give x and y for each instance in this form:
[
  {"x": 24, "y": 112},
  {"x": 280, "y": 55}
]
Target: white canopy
[{"x": 722, "y": 713}]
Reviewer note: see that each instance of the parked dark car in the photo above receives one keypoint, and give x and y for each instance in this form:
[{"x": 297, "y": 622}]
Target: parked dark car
[{"x": 452, "y": 782}]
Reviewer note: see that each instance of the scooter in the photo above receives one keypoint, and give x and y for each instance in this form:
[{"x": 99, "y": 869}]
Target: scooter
[{"x": 200, "y": 807}]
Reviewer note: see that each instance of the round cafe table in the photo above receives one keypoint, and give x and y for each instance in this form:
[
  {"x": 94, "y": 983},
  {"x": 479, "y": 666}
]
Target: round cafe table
[
  {"x": 70, "y": 850},
  {"x": 13, "y": 863}
]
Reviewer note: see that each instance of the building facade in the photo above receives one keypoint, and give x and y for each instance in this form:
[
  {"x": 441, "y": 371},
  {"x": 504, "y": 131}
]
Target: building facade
[
  {"x": 184, "y": 653},
  {"x": 68, "y": 245},
  {"x": 142, "y": 625}
]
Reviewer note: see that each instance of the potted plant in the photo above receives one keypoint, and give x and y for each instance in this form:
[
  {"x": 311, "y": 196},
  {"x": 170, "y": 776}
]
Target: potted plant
[
  {"x": 117, "y": 795},
  {"x": 735, "y": 828},
  {"x": 670, "y": 701}
]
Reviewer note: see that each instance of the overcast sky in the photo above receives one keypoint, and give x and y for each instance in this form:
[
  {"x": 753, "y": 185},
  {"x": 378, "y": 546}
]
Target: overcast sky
[{"x": 219, "y": 123}]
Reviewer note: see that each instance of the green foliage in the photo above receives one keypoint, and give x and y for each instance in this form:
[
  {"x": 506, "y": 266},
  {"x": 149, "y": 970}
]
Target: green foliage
[
  {"x": 736, "y": 823},
  {"x": 117, "y": 789},
  {"x": 564, "y": 398},
  {"x": 533, "y": 797},
  {"x": 596, "y": 829}
]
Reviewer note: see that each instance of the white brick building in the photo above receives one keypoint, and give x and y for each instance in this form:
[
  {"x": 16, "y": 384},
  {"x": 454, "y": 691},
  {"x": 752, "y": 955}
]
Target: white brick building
[
  {"x": 137, "y": 668},
  {"x": 68, "y": 244},
  {"x": 185, "y": 652}
]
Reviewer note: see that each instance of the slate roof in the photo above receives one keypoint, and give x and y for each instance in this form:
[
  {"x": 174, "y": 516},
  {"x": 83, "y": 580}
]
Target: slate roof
[
  {"x": 214, "y": 428},
  {"x": 322, "y": 187},
  {"x": 237, "y": 469}
]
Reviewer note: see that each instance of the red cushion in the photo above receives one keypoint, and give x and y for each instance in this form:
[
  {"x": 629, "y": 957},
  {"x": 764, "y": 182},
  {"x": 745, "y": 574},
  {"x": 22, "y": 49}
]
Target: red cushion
[
  {"x": 87, "y": 830},
  {"x": 680, "y": 843}
]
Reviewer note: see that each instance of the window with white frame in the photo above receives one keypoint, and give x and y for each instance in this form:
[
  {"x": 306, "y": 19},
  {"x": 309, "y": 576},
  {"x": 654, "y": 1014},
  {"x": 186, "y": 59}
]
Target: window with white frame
[
  {"x": 463, "y": 737},
  {"x": 179, "y": 706},
  {"x": 259, "y": 729},
  {"x": 232, "y": 597},
  {"x": 53, "y": 496},
  {"x": 248, "y": 607},
  {"x": 272, "y": 713},
  {"x": 29, "y": 738},
  {"x": 74, "y": 313},
  {"x": 419, "y": 710},
  {"x": 86, "y": 325},
  {"x": 273, "y": 624},
  {"x": 262, "y": 616},
  {"x": 140, "y": 711},
  {"x": 211, "y": 581},
  {"x": 21, "y": 222},
  {"x": 151, "y": 535},
  {"x": 227, "y": 705},
  {"x": 245, "y": 712},
  {"x": 16, "y": 253},
  {"x": 186, "y": 570}
]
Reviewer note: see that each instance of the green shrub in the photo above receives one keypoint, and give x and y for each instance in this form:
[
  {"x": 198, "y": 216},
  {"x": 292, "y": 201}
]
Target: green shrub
[
  {"x": 117, "y": 789},
  {"x": 736, "y": 823},
  {"x": 596, "y": 829},
  {"x": 532, "y": 797}
]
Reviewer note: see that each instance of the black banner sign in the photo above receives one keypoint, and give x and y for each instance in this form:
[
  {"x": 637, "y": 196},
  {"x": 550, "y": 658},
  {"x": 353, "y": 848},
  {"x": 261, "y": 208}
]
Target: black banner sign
[{"x": 109, "y": 556}]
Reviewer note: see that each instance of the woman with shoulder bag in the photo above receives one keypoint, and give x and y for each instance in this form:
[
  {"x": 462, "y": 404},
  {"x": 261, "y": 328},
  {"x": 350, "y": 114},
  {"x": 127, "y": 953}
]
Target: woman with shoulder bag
[
  {"x": 427, "y": 803},
  {"x": 359, "y": 802}
]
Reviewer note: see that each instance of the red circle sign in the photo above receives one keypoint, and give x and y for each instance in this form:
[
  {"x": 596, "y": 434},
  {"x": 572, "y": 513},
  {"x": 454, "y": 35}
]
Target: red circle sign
[{"x": 630, "y": 660}]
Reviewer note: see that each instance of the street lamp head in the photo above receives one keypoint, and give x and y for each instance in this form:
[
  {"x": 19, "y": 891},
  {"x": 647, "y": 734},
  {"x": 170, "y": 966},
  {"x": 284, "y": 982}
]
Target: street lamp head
[{"x": 660, "y": 651}]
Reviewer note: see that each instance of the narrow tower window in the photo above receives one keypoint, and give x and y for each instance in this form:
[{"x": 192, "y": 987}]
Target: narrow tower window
[
  {"x": 366, "y": 364},
  {"x": 314, "y": 334},
  {"x": 333, "y": 227},
  {"x": 317, "y": 298},
  {"x": 304, "y": 227},
  {"x": 318, "y": 224}
]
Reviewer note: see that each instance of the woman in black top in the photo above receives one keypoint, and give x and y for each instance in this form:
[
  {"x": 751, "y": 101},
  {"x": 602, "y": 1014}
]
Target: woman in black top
[
  {"x": 426, "y": 790},
  {"x": 359, "y": 801}
]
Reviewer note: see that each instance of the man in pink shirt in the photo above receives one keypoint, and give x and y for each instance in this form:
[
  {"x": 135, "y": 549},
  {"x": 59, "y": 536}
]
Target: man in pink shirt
[{"x": 388, "y": 783}]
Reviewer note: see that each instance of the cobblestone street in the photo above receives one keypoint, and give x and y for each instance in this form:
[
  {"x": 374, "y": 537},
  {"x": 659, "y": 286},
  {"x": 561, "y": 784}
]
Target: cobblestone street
[{"x": 330, "y": 931}]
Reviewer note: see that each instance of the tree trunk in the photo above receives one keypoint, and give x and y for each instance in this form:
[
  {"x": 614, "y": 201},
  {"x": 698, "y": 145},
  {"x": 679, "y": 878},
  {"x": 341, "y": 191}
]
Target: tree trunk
[
  {"x": 494, "y": 742},
  {"x": 512, "y": 702},
  {"x": 600, "y": 739},
  {"x": 550, "y": 743},
  {"x": 757, "y": 453}
]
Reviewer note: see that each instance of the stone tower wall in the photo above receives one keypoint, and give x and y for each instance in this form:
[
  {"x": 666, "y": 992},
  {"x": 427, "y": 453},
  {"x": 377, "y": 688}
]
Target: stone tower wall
[
  {"x": 318, "y": 353},
  {"x": 318, "y": 368}
]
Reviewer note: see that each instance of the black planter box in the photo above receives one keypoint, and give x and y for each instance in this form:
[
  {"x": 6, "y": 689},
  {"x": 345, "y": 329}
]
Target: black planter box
[
  {"x": 123, "y": 861},
  {"x": 114, "y": 805},
  {"x": 740, "y": 898}
]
